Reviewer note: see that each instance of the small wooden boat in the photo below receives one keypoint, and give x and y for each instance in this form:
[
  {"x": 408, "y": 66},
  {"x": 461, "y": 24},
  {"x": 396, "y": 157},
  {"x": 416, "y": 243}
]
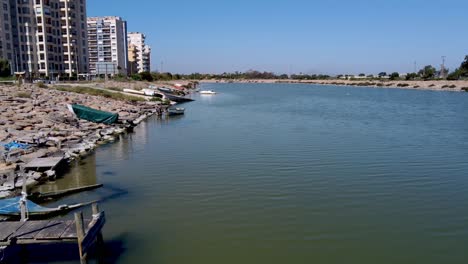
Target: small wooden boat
[
  {"x": 39, "y": 197},
  {"x": 177, "y": 99},
  {"x": 11, "y": 208},
  {"x": 175, "y": 111},
  {"x": 166, "y": 90},
  {"x": 208, "y": 92}
]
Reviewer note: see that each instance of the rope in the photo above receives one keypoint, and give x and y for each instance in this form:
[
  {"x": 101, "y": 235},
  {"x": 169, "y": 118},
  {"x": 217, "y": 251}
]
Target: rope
[{"x": 3, "y": 254}]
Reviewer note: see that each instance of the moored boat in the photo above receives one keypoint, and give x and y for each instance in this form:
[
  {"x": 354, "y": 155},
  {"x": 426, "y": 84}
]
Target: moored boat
[
  {"x": 11, "y": 208},
  {"x": 175, "y": 111},
  {"x": 177, "y": 99},
  {"x": 208, "y": 92}
]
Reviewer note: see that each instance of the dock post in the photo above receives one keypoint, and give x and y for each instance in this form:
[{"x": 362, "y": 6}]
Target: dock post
[
  {"x": 99, "y": 237},
  {"x": 80, "y": 232}
]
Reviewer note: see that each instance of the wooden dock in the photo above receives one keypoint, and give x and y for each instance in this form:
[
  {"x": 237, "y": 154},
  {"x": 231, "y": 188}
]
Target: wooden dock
[
  {"x": 44, "y": 163},
  {"x": 83, "y": 232}
]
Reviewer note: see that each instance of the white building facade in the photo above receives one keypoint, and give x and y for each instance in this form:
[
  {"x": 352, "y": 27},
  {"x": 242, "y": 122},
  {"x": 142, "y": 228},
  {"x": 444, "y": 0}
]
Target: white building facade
[
  {"x": 107, "y": 42},
  {"x": 143, "y": 51}
]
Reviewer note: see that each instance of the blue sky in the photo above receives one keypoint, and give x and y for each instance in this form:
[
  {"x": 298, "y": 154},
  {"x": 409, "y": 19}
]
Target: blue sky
[{"x": 326, "y": 36}]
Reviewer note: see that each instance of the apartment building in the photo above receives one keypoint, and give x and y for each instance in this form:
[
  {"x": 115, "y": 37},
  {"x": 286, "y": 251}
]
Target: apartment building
[
  {"x": 74, "y": 33},
  {"x": 143, "y": 51},
  {"x": 48, "y": 37},
  {"x": 107, "y": 42},
  {"x": 6, "y": 44}
]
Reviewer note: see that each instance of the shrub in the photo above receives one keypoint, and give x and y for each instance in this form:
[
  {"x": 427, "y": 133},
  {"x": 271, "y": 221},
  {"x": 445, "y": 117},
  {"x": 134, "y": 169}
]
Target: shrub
[
  {"x": 41, "y": 85},
  {"x": 432, "y": 85},
  {"x": 416, "y": 86},
  {"x": 464, "y": 89},
  {"x": 402, "y": 85}
]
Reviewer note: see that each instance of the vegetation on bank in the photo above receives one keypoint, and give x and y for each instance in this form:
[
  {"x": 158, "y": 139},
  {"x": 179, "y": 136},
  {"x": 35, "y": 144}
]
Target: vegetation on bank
[
  {"x": 428, "y": 72},
  {"x": 99, "y": 92}
]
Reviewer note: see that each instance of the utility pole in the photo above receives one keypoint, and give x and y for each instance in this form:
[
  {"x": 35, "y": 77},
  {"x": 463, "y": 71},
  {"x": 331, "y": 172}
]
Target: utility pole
[
  {"x": 415, "y": 68},
  {"x": 162, "y": 66},
  {"x": 442, "y": 68}
]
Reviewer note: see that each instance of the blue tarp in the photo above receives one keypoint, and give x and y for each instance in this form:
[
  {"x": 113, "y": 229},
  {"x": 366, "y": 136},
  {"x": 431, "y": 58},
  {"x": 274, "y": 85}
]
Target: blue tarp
[{"x": 15, "y": 145}]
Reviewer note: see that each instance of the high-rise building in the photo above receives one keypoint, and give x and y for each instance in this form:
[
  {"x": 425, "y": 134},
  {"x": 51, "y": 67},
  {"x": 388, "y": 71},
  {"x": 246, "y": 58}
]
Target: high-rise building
[
  {"x": 107, "y": 42},
  {"x": 74, "y": 36},
  {"x": 6, "y": 44},
  {"x": 48, "y": 37},
  {"x": 143, "y": 51}
]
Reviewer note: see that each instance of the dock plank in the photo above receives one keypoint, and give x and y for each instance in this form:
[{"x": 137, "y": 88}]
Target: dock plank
[
  {"x": 30, "y": 229},
  {"x": 9, "y": 228},
  {"x": 70, "y": 232},
  {"x": 53, "y": 230},
  {"x": 50, "y": 162}
]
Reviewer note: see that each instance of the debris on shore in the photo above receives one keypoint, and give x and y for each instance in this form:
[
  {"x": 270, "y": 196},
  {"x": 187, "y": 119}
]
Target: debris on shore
[{"x": 36, "y": 123}]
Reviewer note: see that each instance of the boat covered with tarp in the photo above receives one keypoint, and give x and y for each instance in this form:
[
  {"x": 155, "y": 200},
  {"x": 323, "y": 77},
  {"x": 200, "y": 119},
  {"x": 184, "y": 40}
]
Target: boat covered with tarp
[
  {"x": 12, "y": 208},
  {"x": 94, "y": 115}
]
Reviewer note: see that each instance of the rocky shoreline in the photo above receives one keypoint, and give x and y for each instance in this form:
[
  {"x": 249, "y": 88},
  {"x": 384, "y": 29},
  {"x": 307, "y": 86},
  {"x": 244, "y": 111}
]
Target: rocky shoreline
[{"x": 39, "y": 118}]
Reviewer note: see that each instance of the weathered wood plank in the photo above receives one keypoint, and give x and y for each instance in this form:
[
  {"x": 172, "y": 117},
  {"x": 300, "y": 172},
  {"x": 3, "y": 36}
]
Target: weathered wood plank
[
  {"x": 30, "y": 229},
  {"x": 70, "y": 232},
  {"x": 51, "y": 162},
  {"x": 94, "y": 230},
  {"x": 9, "y": 228},
  {"x": 53, "y": 230}
]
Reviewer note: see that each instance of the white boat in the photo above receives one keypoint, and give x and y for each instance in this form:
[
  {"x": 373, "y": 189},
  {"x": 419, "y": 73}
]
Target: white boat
[
  {"x": 208, "y": 92},
  {"x": 175, "y": 111}
]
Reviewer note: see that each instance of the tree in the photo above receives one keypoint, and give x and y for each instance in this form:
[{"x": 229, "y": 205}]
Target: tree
[
  {"x": 411, "y": 76},
  {"x": 382, "y": 74},
  {"x": 146, "y": 76},
  {"x": 463, "y": 70},
  {"x": 362, "y": 75},
  {"x": 454, "y": 75},
  {"x": 394, "y": 76},
  {"x": 428, "y": 72},
  {"x": 5, "y": 69}
]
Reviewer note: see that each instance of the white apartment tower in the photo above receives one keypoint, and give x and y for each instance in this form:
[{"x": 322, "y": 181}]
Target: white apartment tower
[
  {"x": 48, "y": 37},
  {"x": 143, "y": 51},
  {"x": 74, "y": 36},
  {"x": 107, "y": 42}
]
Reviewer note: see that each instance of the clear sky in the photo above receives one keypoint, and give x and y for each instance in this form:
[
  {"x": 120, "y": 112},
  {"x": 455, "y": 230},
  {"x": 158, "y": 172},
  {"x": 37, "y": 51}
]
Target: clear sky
[{"x": 292, "y": 36}]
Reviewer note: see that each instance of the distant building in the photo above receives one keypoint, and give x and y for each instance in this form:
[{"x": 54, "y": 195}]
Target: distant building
[
  {"x": 132, "y": 59},
  {"x": 44, "y": 37},
  {"x": 143, "y": 51},
  {"x": 107, "y": 41}
]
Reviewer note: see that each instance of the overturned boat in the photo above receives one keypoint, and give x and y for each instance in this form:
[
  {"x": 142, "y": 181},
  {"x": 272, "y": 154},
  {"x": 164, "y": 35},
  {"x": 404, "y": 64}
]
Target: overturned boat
[{"x": 93, "y": 115}]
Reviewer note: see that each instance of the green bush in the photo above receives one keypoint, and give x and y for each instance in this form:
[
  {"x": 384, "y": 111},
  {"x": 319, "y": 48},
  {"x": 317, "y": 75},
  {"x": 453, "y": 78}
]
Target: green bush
[{"x": 41, "y": 85}]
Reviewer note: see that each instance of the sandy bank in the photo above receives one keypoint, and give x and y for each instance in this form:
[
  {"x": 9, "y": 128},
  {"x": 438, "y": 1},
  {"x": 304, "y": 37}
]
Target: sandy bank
[{"x": 439, "y": 85}]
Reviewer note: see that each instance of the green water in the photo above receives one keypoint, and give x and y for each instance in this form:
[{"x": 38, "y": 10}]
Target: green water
[{"x": 278, "y": 173}]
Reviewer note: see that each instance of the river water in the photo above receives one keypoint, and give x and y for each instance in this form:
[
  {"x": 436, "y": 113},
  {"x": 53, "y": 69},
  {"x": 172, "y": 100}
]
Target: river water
[{"x": 282, "y": 173}]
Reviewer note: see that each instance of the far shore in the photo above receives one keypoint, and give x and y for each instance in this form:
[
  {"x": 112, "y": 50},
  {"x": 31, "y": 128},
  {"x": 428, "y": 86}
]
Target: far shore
[{"x": 436, "y": 85}]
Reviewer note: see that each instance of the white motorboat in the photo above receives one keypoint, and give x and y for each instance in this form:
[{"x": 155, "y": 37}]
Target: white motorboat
[{"x": 209, "y": 92}]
